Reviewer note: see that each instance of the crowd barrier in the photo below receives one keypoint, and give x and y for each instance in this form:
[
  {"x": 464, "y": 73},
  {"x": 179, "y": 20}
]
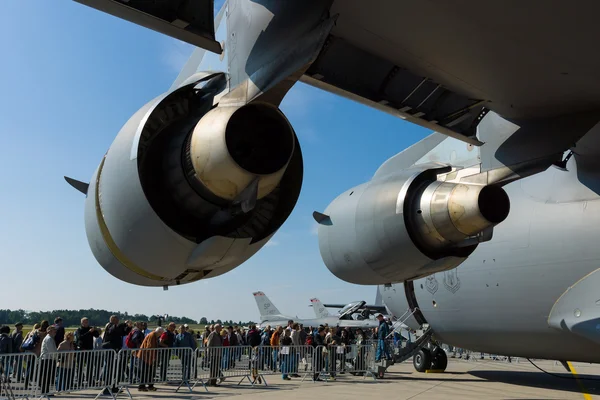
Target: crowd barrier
[{"x": 24, "y": 375}]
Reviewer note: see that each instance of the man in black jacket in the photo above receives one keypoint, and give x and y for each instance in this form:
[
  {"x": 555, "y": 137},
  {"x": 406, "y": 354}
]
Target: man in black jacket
[
  {"x": 113, "y": 339},
  {"x": 60, "y": 331},
  {"x": 84, "y": 340},
  {"x": 253, "y": 337},
  {"x": 17, "y": 341},
  {"x": 318, "y": 357}
]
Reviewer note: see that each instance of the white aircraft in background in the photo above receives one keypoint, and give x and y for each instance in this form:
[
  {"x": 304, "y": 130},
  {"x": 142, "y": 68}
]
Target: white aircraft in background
[
  {"x": 270, "y": 315},
  {"x": 362, "y": 312}
]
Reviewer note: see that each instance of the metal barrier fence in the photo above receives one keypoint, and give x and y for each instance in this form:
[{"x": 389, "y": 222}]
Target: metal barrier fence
[
  {"x": 146, "y": 367},
  {"x": 24, "y": 375},
  {"x": 18, "y": 375}
]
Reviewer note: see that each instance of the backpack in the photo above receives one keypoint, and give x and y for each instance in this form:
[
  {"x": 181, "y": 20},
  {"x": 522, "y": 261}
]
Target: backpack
[
  {"x": 129, "y": 340},
  {"x": 29, "y": 344},
  {"x": 265, "y": 339},
  {"x": 309, "y": 340}
]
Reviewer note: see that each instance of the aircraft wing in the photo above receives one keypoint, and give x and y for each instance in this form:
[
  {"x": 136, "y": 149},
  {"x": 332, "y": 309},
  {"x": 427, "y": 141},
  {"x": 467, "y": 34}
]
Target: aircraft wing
[
  {"x": 443, "y": 64},
  {"x": 188, "y": 21}
]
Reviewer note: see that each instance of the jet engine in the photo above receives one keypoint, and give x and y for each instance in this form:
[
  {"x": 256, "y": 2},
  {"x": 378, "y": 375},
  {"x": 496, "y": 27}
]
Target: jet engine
[
  {"x": 407, "y": 225},
  {"x": 191, "y": 188}
]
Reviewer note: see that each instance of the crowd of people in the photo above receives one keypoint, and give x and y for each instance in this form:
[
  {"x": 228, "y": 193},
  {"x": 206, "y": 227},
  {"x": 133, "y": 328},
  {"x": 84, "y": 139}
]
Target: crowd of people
[
  {"x": 274, "y": 339},
  {"x": 46, "y": 341}
]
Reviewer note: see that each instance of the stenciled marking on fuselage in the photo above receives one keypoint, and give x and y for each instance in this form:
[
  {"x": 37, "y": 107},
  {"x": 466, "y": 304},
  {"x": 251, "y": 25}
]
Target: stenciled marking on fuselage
[
  {"x": 451, "y": 281},
  {"x": 432, "y": 284}
]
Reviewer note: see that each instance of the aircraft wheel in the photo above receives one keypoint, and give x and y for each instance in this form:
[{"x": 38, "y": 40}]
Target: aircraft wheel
[
  {"x": 422, "y": 360},
  {"x": 439, "y": 359}
]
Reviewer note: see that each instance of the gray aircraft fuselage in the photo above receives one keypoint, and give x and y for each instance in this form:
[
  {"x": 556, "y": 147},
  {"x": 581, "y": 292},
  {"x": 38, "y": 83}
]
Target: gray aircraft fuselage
[{"x": 501, "y": 298}]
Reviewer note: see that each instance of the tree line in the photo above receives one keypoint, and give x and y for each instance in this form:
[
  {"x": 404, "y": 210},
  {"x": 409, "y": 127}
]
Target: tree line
[
  {"x": 96, "y": 317},
  {"x": 73, "y": 317}
]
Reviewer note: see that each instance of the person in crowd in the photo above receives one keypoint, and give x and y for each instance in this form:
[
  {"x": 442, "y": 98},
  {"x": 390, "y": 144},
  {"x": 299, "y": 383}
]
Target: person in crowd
[
  {"x": 382, "y": 332},
  {"x": 145, "y": 329},
  {"x": 148, "y": 360},
  {"x": 48, "y": 350},
  {"x": 359, "y": 361},
  {"x": 113, "y": 334},
  {"x": 225, "y": 360},
  {"x": 318, "y": 356},
  {"x": 84, "y": 341},
  {"x": 6, "y": 348},
  {"x": 296, "y": 351},
  {"x": 266, "y": 353},
  {"x": 256, "y": 359},
  {"x": 30, "y": 344},
  {"x": 275, "y": 346},
  {"x": 17, "y": 341},
  {"x": 207, "y": 332},
  {"x": 241, "y": 341},
  {"x": 99, "y": 341},
  {"x": 303, "y": 335},
  {"x": 185, "y": 340},
  {"x": 60, "y": 331},
  {"x": 167, "y": 341},
  {"x": 285, "y": 354},
  {"x": 66, "y": 362},
  {"x": 133, "y": 340},
  {"x": 234, "y": 342},
  {"x": 253, "y": 337},
  {"x": 214, "y": 346}
]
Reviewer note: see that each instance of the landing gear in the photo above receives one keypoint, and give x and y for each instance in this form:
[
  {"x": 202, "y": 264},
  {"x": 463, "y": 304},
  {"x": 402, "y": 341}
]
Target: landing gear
[
  {"x": 439, "y": 359},
  {"x": 422, "y": 360}
]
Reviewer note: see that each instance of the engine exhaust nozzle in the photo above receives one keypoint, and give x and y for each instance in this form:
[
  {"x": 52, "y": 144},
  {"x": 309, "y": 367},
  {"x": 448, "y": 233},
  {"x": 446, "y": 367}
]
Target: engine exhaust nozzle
[{"x": 231, "y": 147}]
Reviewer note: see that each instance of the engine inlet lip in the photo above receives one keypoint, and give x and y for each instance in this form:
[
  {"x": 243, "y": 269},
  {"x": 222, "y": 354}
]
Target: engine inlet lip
[
  {"x": 259, "y": 139},
  {"x": 494, "y": 204}
]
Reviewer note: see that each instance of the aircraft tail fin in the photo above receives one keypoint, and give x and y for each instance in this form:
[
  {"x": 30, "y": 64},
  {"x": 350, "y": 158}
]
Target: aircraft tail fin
[
  {"x": 378, "y": 297},
  {"x": 320, "y": 310},
  {"x": 265, "y": 307}
]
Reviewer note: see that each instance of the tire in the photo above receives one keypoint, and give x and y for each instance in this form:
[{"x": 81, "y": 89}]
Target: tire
[
  {"x": 422, "y": 360},
  {"x": 439, "y": 359}
]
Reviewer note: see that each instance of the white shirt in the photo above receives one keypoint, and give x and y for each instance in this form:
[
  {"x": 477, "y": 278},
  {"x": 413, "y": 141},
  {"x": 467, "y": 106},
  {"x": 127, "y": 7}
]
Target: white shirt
[
  {"x": 48, "y": 347},
  {"x": 295, "y": 338}
]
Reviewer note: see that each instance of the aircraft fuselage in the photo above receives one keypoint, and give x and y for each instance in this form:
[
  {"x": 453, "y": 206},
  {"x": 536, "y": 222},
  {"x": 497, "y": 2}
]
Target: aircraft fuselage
[{"x": 504, "y": 299}]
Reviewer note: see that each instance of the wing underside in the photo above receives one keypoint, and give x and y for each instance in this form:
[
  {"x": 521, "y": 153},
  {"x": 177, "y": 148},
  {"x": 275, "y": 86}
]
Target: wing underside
[
  {"x": 188, "y": 21},
  {"x": 443, "y": 64}
]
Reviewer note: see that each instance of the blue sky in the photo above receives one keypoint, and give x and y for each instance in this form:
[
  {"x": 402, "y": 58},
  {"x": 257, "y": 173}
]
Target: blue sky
[{"x": 70, "y": 78}]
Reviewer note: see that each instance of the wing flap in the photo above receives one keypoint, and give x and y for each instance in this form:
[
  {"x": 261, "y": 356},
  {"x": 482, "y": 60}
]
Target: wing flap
[{"x": 188, "y": 21}]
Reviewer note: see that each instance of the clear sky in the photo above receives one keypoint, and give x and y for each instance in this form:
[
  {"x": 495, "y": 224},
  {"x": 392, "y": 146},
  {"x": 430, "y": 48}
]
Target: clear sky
[{"x": 70, "y": 77}]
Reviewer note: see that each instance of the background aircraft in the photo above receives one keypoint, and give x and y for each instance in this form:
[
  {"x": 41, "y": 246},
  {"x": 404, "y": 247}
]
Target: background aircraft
[
  {"x": 270, "y": 315},
  {"x": 319, "y": 309},
  {"x": 361, "y": 309},
  {"x": 521, "y": 100}
]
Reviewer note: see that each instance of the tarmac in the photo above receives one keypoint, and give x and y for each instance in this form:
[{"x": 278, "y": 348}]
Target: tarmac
[{"x": 465, "y": 380}]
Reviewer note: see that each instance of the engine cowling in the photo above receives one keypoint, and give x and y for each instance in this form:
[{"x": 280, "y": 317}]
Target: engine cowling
[
  {"x": 407, "y": 225},
  {"x": 189, "y": 189}
]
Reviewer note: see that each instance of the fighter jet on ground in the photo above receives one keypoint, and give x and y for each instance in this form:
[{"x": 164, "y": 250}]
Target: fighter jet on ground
[
  {"x": 270, "y": 315},
  {"x": 361, "y": 309},
  {"x": 507, "y": 190}
]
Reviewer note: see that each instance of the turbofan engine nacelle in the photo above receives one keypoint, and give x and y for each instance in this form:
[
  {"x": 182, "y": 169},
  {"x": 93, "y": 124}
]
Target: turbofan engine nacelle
[
  {"x": 407, "y": 225},
  {"x": 190, "y": 189}
]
